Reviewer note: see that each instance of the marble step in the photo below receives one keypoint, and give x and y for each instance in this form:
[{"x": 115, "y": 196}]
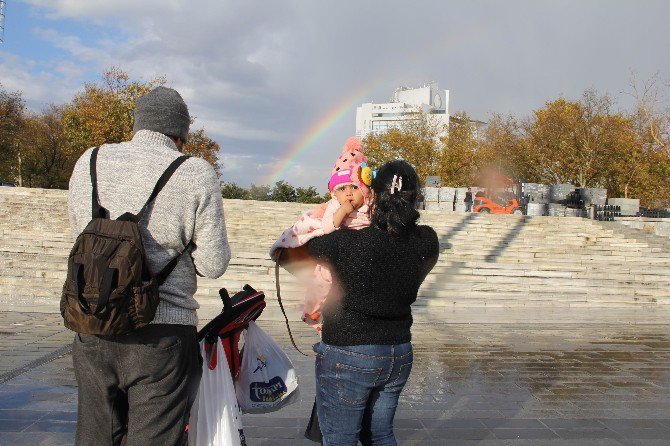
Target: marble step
[
  {"x": 38, "y": 295},
  {"x": 551, "y": 267}
]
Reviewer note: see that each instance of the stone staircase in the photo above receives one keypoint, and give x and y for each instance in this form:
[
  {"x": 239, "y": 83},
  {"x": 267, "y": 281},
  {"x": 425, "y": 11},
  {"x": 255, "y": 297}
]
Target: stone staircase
[{"x": 486, "y": 260}]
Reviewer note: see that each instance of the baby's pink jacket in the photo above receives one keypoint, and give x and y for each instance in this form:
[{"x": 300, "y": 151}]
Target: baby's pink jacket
[{"x": 316, "y": 223}]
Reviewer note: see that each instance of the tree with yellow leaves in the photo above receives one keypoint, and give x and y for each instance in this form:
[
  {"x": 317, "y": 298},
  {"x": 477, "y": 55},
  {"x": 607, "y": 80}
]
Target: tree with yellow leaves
[
  {"x": 457, "y": 153},
  {"x": 501, "y": 148},
  {"x": 584, "y": 142},
  {"x": 417, "y": 141},
  {"x": 103, "y": 113},
  {"x": 202, "y": 146}
]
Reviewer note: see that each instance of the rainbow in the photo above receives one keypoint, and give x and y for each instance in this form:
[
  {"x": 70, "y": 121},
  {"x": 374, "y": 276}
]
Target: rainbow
[
  {"x": 451, "y": 38},
  {"x": 316, "y": 131}
]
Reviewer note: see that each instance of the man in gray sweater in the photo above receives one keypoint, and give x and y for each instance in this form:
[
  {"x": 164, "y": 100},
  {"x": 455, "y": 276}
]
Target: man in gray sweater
[{"x": 142, "y": 385}]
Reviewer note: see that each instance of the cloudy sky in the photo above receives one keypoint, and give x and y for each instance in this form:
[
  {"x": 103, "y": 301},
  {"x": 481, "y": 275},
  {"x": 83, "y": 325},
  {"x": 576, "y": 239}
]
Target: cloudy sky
[{"x": 276, "y": 82}]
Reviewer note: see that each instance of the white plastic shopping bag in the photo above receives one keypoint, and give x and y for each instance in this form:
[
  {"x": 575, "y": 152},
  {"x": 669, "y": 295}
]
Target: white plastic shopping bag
[
  {"x": 267, "y": 377},
  {"x": 215, "y": 415}
]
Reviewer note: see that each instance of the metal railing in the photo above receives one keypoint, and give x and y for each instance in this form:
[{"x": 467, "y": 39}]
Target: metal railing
[{"x": 607, "y": 212}]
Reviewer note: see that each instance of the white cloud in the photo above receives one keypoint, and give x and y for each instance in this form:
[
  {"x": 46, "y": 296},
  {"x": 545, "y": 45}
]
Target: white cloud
[
  {"x": 257, "y": 74},
  {"x": 243, "y": 169},
  {"x": 239, "y": 130},
  {"x": 69, "y": 69},
  {"x": 73, "y": 46},
  {"x": 38, "y": 86},
  {"x": 100, "y": 9}
]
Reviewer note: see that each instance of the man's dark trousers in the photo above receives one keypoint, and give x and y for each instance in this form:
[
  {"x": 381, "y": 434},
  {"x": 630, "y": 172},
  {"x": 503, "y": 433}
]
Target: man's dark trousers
[{"x": 141, "y": 385}]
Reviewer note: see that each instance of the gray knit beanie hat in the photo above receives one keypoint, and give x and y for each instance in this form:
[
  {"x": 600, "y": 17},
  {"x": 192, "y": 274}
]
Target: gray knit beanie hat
[{"x": 162, "y": 110}]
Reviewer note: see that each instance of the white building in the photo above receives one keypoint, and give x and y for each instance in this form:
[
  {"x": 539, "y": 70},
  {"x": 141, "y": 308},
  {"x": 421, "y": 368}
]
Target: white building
[{"x": 405, "y": 104}]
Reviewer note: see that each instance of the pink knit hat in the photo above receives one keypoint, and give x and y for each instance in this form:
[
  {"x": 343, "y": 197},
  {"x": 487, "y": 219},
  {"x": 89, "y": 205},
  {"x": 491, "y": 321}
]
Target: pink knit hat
[{"x": 347, "y": 168}]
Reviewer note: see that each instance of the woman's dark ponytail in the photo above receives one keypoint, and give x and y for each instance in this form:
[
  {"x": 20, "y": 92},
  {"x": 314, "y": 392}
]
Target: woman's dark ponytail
[{"x": 396, "y": 188}]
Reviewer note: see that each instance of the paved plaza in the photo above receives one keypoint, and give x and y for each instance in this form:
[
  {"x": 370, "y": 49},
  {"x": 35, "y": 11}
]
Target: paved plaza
[{"x": 481, "y": 377}]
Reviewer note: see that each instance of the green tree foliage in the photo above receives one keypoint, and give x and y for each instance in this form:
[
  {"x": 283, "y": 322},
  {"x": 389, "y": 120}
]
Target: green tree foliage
[
  {"x": 47, "y": 159},
  {"x": 232, "y": 190},
  {"x": 282, "y": 191},
  {"x": 12, "y": 110},
  {"x": 259, "y": 193},
  {"x": 307, "y": 195}
]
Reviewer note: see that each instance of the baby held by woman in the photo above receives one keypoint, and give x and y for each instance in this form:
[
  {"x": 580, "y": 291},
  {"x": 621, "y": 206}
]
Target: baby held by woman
[{"x": 349, "y": 186}]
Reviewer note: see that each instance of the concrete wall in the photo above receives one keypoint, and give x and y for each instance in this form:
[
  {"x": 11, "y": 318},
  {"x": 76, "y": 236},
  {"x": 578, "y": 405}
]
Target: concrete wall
[
  {"x": 415, "y": 96},
  {"x": 657, "y": 226}
]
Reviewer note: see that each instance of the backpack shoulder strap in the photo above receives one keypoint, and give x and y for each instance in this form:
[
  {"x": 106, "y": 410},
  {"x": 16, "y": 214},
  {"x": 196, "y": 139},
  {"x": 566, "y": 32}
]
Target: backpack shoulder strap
[
  {"x": 97, "y": 211},
  {"x": 162, "y": 181},
  {"x": 167, "y": 269}
]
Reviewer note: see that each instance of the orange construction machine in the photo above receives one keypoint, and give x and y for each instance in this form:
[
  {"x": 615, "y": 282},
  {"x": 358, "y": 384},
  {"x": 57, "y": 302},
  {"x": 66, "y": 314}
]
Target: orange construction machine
[{"x": 501, "y": 195}]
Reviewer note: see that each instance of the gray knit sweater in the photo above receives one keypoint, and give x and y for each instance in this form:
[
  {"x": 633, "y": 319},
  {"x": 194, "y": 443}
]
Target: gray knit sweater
[{"x": 188, "y": 208}]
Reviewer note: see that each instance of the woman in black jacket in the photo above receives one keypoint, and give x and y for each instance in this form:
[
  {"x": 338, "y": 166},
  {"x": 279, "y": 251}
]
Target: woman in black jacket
[{"x": 365, "y": 357}]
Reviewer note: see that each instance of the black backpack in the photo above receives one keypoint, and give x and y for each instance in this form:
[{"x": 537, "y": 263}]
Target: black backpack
[{"x": 109, "y": 289}]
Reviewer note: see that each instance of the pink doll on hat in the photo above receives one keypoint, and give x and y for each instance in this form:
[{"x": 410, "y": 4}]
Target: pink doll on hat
[{"x": 349, "y": 186}]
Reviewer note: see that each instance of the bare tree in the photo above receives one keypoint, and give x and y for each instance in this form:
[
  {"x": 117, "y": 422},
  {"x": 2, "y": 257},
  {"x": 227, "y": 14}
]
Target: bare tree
[{"x": 652, "y": 105}]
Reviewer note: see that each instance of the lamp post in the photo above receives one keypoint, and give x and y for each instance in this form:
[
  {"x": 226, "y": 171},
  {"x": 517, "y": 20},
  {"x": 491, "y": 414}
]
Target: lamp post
[
  {"x": 2, "y": 21},
  {"x": 20, "y": 179}
]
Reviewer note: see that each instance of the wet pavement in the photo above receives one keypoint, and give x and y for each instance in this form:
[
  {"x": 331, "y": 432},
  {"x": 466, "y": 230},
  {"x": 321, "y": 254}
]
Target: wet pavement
[
  {"x": 30, "y": 339},
  {"x": 554, "y": 381}
]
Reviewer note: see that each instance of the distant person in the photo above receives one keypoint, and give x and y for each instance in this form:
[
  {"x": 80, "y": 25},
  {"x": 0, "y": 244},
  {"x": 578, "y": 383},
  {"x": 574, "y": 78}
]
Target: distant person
[
  {"x": 141, "y": 385},
  {"x": 365, "y": 357},
  {"x": 468, "y": 200}
]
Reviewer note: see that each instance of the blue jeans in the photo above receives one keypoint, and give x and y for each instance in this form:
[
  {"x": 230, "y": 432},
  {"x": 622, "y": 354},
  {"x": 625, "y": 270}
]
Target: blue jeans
[
  {"x": 468, "y": 206},
  {"x": 357, "y": 391}
]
